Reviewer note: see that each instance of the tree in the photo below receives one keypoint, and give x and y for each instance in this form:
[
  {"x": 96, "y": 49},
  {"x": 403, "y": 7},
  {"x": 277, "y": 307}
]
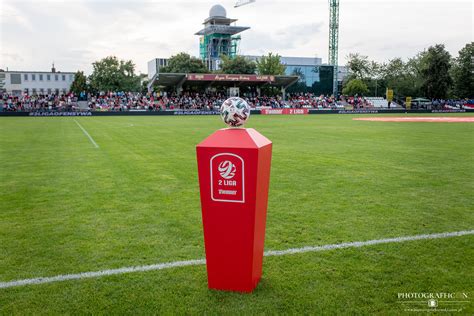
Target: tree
[
  {"x": 270, "y": 65},
  {"x": 80, "y": 83},
  {"x": 463, "y": 72},
  {"x": 237, "y": 65},
  {"x": 359, "y": 66},
  {"x": 111, "y": 74},
  {"x": 395, "y": 68},
  {"x": 184, "y": 63},
  {"x": 402, "y": 77},
  {"x": 369, "y": 71},
  {"x": 375, "y": 83},
  {"x": 414, "y": 78},
  {"x": 143, "y": 83},
  {"x": 355, "y": 86},
  {"x": 436, "y": 72}
]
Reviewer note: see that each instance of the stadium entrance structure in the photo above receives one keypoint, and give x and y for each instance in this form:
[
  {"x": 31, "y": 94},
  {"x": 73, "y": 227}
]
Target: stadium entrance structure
[
  {"x": 234, "y": 85},
  {"x": 218, "y": 37}
]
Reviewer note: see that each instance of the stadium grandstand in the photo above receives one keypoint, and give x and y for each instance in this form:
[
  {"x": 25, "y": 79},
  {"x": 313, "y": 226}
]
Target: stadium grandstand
[
  {"x": 234, "y": 85},
  {"x": 187, "y": 100}
]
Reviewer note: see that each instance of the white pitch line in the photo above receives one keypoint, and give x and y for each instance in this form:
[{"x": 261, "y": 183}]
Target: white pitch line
[
  {"x": 356, "y": 244},
  {"x": 87, "y": 134},
  {"x": 96, "y": 274},
  {"x": 175, "y": 264}
]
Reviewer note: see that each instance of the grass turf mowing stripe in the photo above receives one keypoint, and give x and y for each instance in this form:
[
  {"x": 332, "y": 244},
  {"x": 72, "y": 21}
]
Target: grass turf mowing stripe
[
  {"x": 168, "y": 265},
  {"x": 87, "y": 134}
]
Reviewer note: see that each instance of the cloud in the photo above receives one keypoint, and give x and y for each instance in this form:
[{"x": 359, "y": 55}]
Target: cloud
[
  {"x": 281, "y": 40},
  {"x": 11, "y": 57},
  {"x": 76, "y": 33},
  {"x": 11, "y": 17}
]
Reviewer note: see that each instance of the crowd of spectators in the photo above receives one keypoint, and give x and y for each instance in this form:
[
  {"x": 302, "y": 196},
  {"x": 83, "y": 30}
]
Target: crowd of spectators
[
  {"x": 451, "y": 104},
  {"x": 357, "y": 103},
  {"x": 205, "y": 101},
  {"x": 200, "y": 101},
  {"x": 128, "y": 101},
  {"x": 37, "y": 103}
]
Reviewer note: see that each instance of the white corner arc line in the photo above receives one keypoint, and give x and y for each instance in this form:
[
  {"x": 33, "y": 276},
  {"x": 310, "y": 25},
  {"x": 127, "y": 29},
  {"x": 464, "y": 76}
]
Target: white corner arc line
[
  {"x": 87, "y": 134},
  {"x": 175, "y": 264}
]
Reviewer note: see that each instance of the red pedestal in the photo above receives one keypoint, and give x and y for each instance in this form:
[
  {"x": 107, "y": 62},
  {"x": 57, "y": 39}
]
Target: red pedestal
[{"x": 234, "y": 175}]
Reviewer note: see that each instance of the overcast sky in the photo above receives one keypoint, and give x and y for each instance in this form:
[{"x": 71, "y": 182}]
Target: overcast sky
[{"x": 74, "y": 33}]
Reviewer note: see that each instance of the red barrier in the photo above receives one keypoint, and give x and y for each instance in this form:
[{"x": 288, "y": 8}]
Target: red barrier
[
  {"x": 234, "y": 175},
  {"x": 284, "y": 111}
]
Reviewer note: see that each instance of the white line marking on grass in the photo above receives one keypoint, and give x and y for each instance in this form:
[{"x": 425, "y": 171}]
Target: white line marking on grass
[
  {"x": 87, "y": 134},
  {"x": 96, "y": 274},
  {"x": 175, "y": 264},
  {"x": 356, "y": 244}
]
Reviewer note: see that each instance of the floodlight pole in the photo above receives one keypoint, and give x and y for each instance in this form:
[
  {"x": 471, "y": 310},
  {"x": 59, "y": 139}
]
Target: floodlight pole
[{"x": 334, "y": 39}]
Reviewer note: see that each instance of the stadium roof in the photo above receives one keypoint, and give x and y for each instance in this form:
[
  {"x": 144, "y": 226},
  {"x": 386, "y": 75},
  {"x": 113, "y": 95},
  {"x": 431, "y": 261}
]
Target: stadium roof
[{"x": 180, "y": 79}]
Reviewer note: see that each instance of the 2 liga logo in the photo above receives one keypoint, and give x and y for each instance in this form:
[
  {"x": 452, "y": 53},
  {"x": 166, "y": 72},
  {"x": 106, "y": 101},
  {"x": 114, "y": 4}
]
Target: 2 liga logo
[
  {"x": 227, "y": 178},
  {"x": 227, "y": 169}
]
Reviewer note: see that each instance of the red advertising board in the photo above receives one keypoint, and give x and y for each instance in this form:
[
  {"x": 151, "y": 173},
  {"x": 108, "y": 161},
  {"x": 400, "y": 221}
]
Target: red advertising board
[
  {"x": 284, "y": 111},
  {"x": 218, "y": 77}
]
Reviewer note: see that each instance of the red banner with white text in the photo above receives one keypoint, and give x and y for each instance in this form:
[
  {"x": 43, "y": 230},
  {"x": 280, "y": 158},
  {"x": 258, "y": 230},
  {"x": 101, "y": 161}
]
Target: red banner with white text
[{"x": 284, "y": 111}]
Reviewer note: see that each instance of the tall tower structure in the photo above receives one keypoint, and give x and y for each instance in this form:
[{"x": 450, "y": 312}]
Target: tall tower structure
[
  {"x": 218, "y": 37},
  {"x": 334, "y": 39}
]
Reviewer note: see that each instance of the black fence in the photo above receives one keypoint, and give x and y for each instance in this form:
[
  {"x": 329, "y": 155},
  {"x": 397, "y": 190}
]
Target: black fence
[{"x": 199, "y": 112}]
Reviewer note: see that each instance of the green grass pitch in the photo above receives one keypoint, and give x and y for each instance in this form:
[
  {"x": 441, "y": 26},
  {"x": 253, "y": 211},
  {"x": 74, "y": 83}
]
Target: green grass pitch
[{"x": 67, "y": 207}]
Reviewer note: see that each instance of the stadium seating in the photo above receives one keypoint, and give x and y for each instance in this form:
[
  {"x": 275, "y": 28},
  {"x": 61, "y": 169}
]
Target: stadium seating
[{"x": 378, "y": 102}]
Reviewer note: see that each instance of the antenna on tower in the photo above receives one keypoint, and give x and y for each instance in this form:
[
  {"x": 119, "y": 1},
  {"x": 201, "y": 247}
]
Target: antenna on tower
[{"x": 240, "y": 3}]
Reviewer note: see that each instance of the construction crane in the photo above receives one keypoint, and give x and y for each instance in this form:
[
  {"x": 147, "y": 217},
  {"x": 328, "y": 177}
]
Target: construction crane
[
  {"x": 333, "y": 36},
  {"x": 334, "y": 39},
  {"x": 243, "y": 2}
]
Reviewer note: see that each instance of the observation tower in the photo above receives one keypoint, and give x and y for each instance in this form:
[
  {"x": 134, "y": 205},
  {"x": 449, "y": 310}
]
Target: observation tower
[{"x": 218, "y": 37}]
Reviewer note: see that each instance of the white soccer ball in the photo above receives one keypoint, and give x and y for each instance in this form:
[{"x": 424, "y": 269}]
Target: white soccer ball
[{"x": 235, "y": 111}]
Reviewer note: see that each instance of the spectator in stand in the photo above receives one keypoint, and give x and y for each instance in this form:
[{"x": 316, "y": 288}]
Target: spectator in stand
[{"x": 127, "y": 101}]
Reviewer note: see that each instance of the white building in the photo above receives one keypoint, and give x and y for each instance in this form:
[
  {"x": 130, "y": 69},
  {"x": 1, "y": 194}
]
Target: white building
[
  {"x": 36, "y": 82},
  {"x": 154, "y": 66}
]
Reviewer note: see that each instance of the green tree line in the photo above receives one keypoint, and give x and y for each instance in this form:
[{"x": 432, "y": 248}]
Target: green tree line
[
  {"x": 266, "y": 65},
  {"x": 109, "y": 74},
  {"x": 432, "y": 73}
]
